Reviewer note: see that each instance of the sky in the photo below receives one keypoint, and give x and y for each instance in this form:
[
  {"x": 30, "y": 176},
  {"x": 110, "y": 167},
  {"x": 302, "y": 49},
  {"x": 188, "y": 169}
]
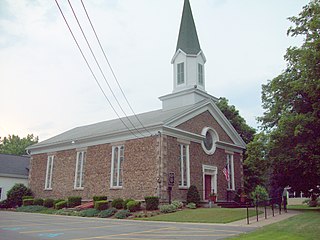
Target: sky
[{"x": 46, "y": 87}]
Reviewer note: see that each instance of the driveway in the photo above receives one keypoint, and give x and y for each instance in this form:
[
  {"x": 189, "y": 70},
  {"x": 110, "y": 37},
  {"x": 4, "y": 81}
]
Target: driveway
[{"x": 27, "y": 226}]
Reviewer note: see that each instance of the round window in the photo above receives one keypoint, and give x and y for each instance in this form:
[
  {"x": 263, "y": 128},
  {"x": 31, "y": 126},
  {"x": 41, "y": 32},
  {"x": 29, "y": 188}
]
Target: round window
[{"x": 209, "y": 141}]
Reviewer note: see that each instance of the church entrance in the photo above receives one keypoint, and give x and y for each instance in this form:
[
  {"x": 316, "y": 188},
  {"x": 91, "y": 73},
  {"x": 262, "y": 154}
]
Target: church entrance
[{"x": 209, "y": 181}]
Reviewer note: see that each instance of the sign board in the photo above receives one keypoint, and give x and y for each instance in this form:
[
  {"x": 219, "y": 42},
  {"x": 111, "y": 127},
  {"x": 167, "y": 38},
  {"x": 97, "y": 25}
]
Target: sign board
[{"x": 171, "y": 179}]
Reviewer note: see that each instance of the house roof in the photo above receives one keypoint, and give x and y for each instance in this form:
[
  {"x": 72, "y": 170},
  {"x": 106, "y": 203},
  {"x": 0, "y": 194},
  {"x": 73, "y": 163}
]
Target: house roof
[
  {"x": 115, "y": 130},
  {"x": 188, "y": 40},
  {"x": 14, "y": 166}
]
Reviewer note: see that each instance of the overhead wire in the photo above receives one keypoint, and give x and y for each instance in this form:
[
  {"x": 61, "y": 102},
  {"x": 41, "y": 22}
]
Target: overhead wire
[
  {"x": 94, "y": 76},
  {"x": 112, "y": 71},
  {"x": 101, "y": 71}
]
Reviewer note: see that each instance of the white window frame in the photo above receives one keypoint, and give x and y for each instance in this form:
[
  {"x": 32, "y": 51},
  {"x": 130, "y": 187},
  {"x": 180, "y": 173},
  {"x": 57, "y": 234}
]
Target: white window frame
[
  {"x": 230, "y": 164},
  {"x": 48, "y": 180},
  {"x": 200, "y": 74},
  {"x": 184, "y": 156},
  {"x": 180, "y": 73},
  {"x": 120, "y": 160},
  {"x": 81, "y": 156}
]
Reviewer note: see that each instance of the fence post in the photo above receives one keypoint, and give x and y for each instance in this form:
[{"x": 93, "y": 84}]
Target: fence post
[
  {"x": 272, "y": 209},
  {"x": 248, "y": 215},
  {"x": 257, "y": 212},
  {"x": 265, "y": 210}
]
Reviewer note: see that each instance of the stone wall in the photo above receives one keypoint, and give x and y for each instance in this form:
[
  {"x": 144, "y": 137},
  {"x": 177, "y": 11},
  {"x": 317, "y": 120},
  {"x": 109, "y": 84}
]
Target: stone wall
[{"x": 139, "y": 172}]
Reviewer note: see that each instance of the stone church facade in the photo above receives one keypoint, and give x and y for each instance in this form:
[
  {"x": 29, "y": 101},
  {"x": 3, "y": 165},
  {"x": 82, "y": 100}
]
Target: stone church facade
[{"x": 189, "y": 138}]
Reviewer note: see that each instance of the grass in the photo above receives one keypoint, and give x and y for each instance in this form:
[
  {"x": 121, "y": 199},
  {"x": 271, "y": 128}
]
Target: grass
[
  {"x": 203, "y": 215},
  {"x": 301, "y": 227},
  {"x": 302, "y": 207}
]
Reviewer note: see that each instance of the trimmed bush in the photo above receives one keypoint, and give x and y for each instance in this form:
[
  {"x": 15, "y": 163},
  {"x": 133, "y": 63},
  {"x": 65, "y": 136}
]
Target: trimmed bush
[
  {"x": 126, "y": 202},
  {"x": 193, "y": 195},
  {"x": 61, "y": 204},
  {"x": 117, "y": 203},
  {"x": 101, "y": 205},
  {"x": 48, "y": 202},
  {"x": 57, "y": 201},
  {"x": 38, "y": 202},
  {"x": 152, "y": 203},
  {"x": 27, "y": 197},
  {"x": 74, "y": 201},
  {"x": 177, "y": 204},
  {"x": 191, "y": 205},
  {"x": 168, "y": 208},
  {"x": 99, "y": 198},
  {"x": 262, "y": 194},
  {"x": 27, "y": 202},
  {"x": 89, "y": 213},
  {"x": 134, "y": 206},
  {"x": 107, "y": 213},
  {"x": 122, "y": 214},
  {"x": 15, "y": 194}
]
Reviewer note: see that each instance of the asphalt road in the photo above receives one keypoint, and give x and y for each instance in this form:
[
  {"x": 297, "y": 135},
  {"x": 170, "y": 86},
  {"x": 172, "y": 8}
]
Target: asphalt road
[{"x": 27, "y": 226}]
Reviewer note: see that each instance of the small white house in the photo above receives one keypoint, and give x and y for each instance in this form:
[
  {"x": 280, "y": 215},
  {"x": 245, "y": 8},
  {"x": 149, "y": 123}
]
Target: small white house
[{"x": 13, "y": 169}]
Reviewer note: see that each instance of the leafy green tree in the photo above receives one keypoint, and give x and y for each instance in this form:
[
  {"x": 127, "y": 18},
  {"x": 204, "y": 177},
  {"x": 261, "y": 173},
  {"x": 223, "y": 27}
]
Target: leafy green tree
[
  {"x": 15, "y": 145},
  {"x": 238, "y": 122},
  {"x": 15, "y": 194},
  {"x": 292, "y": 104},
  {"x": 256, "y": 163}
]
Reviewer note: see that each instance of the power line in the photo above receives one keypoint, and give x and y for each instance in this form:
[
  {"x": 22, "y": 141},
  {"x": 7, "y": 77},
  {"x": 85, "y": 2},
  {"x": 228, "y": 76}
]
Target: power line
[
  {"x": 104, "y": 77},
  {"x": 88, "y": 65},
  {"x": 113, "y": 73}
]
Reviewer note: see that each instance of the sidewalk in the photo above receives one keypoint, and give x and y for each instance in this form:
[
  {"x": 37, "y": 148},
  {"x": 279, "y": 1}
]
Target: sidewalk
[{"x": 262, "y": 221}]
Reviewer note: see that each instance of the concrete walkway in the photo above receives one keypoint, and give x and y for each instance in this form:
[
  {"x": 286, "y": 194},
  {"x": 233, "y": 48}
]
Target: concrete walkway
[{"x": 265, "y": 221}]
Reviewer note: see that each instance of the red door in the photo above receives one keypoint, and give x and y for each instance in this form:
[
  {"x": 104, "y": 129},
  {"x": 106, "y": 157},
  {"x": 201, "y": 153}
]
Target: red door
[{"x": 207, "y": 186}]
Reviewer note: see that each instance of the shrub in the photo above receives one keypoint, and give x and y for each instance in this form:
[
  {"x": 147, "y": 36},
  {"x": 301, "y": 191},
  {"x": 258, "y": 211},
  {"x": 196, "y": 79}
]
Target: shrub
[
  {"x": 191, "y": 206},
  {"x": 122, "y": 214},
  {"x": 193, "y": 195},
  {"x": 117, "y": 203},
  {"x": 101, "y": 205},
  {"x": 4, "y": 204},
  {"x": 177, "y": 204},
  {"x": 15, "y": 194},
  {"x": 134, "y": 206},
  {"x": 313, "y": 203},
  {"x": 126, "y": 202},
  {"x": 27, "y": 202},
  {"x": 168, "y": 208},
  {"x": 27, "y": 197},
  {"x": 48, "y": 202},
  {"x": 74, "y": 201},
  {"x": 152, "y": 203},
  {"x": 107, "y": 213},
  {"x": 262, "y": 194},
  {"x": 99, "y": 198},
  {"x": 61, "y": 204},
  {"x": 32, "y": 209},
  {"x": 38, "y": 201},
  {"x": 89, "y": 213},
  {"x": 57, "y": 201}
]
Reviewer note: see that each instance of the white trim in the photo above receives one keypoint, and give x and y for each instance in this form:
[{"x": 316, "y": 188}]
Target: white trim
[
  {"x": 230, "y": 163},
  {"x": 48, "y": 180},
  {"x": 181, "y": 134},
  {"x": 182, "y": 164},
  {"x": 81, "y": 177},
  {"x": 213, "y": 171},
  {"x": 119, "y": 168},
  {"x": 215, "y": 138}
]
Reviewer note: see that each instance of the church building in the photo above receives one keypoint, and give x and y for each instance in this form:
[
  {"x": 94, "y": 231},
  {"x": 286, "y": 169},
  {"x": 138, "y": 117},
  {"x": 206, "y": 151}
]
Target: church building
[{"x": 189, "y": 139}]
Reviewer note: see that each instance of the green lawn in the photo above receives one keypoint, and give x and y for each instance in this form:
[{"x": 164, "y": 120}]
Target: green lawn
[
  {"x": 302, "y": 207},
  {"x": 301, "y": 227},
  {"x": 203, "y": 215}
]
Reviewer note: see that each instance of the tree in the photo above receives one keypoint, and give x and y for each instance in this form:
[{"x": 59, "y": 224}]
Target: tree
[
  {"x": 15, "y": 145},
  {"x": 15, "y": 194},
  {"x": 238, "y": 122},
  {"x": 292, "y": 104},
  {"x": 256, "y": 164}
]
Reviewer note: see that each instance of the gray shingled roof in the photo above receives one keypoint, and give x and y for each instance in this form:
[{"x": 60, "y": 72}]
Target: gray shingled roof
[
  {"x": 115, "y": 126},
  {"x": 14, "y": 165},
  {"x": 188, "y": 38}
]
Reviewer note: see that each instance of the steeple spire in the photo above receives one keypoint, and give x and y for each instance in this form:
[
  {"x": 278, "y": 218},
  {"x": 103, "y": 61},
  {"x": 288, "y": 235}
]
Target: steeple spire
[{"x": 188, "y": 38}]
